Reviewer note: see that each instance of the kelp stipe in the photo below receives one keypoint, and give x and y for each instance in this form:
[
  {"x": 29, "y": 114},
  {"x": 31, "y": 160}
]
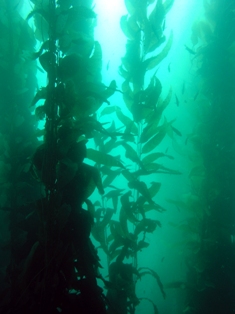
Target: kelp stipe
[
  {"x": 145, "y": 35},
  {"x": 18, "y": 141},
  {"x": 57, "y": 267},
  {"x": 210, "y": 261},
  {"x": 142, "y": 134}
]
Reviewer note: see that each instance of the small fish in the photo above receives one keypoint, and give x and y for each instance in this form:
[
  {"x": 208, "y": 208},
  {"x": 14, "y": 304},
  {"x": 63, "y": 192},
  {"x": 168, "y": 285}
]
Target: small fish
[
  {"x": 177, "y": 100},
  {"x": 195, "y": 97},
  {"x": 183, "y": 88},
  {"x": 175, "y": 285},
  {"x": 107, "y": 66},
  {"x": 169, "y": 67},
  {"x": 176, "y": 131},
  {"x": 21, "y": 91},
  {"x": 189, "y": 310},
  {"x": 40, "y": 69},
  {"x": 190, "y": 50},
  {"x": 164, "y": 25},
  {"x": 15, "y": 7},
  {"x": 162, "y": 259},
  {"x": 79, "y": 41}
]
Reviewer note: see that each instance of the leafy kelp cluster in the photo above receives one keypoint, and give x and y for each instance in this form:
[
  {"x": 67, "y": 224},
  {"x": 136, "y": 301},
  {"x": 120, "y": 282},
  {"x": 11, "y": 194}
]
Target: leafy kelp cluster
[
  {"x": 49, "y": 168},
  {"x": 48, "y": 236},
  {"x": 144, "y": 129},
  {"x": 51, "y": 264},
  {"x": 18, "y": 142},
  {"x": 210, "y": 284}
]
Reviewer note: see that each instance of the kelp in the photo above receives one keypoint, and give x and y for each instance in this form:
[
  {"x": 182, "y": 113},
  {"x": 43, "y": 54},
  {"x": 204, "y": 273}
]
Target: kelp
[
  {"x": 18, "y": 142},
  {"x": 142, "y": 130},
  {"x": 211, "y": 174},
  {"x": 50, "y": 229},
  {"x": 147, "y": 271},
  {"x": 72, "y": 60}
]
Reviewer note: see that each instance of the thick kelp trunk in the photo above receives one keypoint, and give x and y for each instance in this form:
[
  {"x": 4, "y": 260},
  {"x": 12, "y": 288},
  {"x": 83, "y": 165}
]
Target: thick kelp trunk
[
  {"x": 211, "y": 275},
  {"x": 18, "y": 141},
  {"x": 53, "y": 264}
]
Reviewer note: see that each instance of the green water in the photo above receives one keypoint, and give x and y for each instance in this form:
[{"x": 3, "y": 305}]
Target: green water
[{"x": 117, "y": 156}]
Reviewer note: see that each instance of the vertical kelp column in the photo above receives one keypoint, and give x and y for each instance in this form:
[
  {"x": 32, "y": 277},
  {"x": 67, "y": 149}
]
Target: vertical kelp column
[
  {"x": 71, "y": 59},
  {"x": 142, "y": 129},
  {"x": 18, "y": 141},
  {"x": 210, "y": 282},
  {"x": 58, "y": 265}
]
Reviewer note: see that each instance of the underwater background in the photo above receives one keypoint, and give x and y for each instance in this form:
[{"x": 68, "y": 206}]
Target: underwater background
[{"x": 117, "y": 150}]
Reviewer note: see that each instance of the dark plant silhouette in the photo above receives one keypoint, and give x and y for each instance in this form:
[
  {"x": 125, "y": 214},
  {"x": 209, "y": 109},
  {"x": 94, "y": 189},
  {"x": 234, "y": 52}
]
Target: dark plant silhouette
[
  {"x": 143, "y": 128},
  {"x": 53, "y": 262},
  {"x": 210, "y": 230}
]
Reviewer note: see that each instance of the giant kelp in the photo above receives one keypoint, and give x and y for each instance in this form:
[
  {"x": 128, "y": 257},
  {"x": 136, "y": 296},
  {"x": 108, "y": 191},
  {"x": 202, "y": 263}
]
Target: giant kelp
[
  {"x": 56, "y": 265},
  {"x": 141, "y": 129},
  {"x": 57, "y": 256},
  {"x": 210, "y": 228},
  {"x": 18, "y": 141}
]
